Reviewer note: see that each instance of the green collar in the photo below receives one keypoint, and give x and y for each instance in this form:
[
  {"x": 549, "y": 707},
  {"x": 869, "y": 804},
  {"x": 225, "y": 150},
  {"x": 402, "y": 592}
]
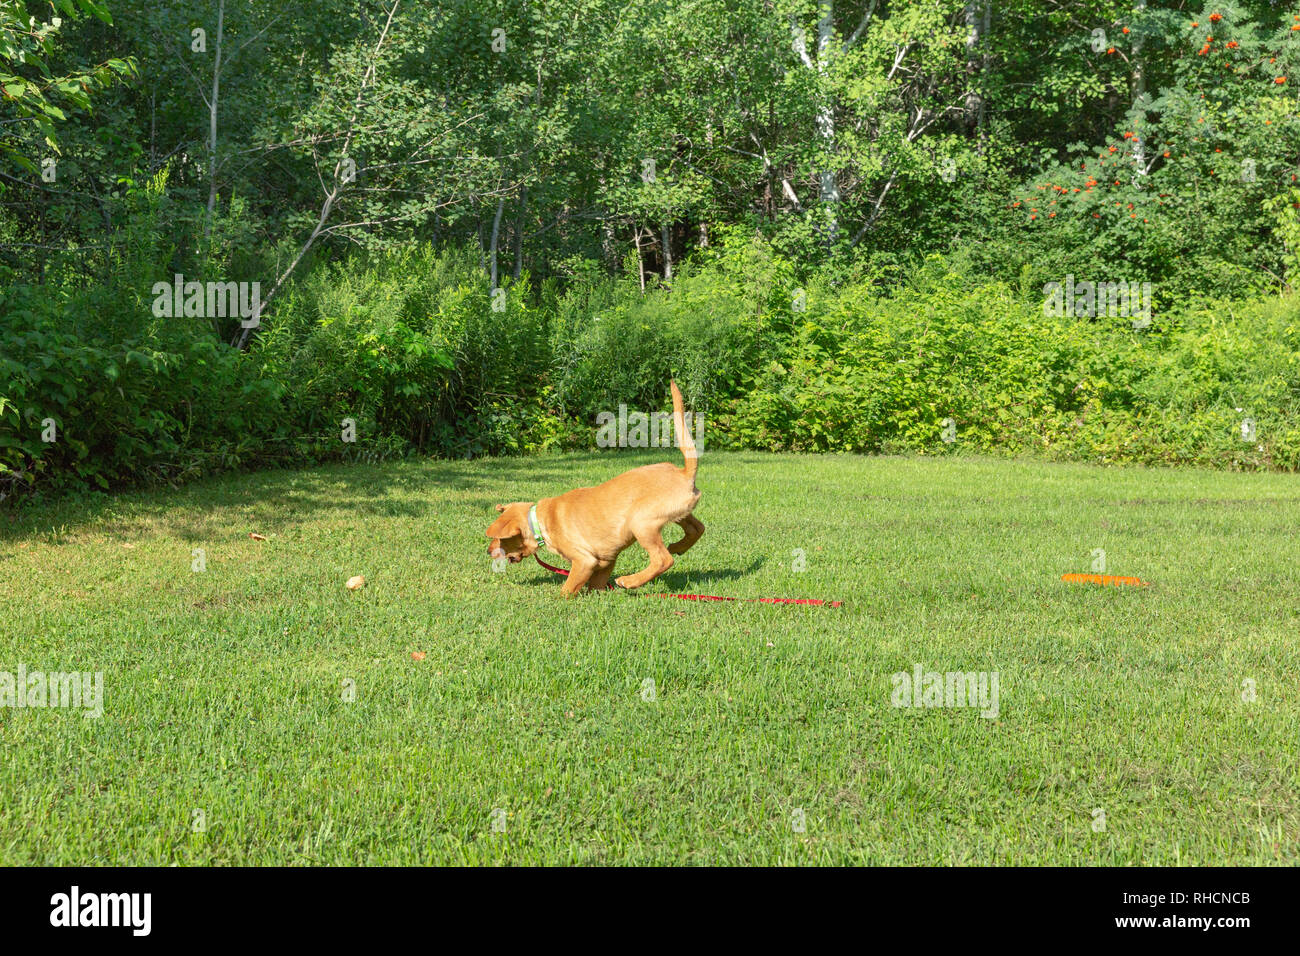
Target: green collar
[{"x": 535, "y": 526}]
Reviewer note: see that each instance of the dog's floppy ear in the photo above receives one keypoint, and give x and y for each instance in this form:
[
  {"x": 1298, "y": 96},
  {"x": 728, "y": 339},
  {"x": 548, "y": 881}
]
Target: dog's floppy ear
[{"x": 510, "y": 523}]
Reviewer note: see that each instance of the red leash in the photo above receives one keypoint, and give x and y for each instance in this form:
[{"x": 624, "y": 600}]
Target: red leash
[{"x": 706, "y": 597}]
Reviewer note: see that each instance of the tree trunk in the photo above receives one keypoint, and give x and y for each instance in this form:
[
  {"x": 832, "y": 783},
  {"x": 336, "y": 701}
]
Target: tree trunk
[
  {"x": 212, "y": 124},
  {"x": 1139, "y": 98},
  {"x": 496, "y": 234},
  {"x": 640, "y": 263},
  {"x": 825, "y": 118},
  {"x": 830, "y": 192},
  {"x": 984, "y": 76},
  {"x": 977, "y": 24},
  {"x": 519, "y": 236},
  {"x": 609, "y": 245},
  {"x": 666, "y": 241},
  {"x": 972, "y": 17},
  {"x": 608, "y": 242}
]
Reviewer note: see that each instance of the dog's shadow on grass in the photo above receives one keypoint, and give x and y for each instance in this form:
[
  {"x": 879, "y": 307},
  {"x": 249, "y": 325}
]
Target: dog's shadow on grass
[
  {"x": 672, "y": 580},
  {"x": 680, "y": 579}
]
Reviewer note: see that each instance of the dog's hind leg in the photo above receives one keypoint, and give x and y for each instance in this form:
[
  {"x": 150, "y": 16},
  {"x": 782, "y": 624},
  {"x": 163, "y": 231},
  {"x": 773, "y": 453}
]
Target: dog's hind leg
[
  {"x": 660, "y": 560},
  {"x": 694, "y": 528}
]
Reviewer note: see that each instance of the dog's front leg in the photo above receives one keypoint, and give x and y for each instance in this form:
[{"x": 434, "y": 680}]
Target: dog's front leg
[
  {"x": 660, "y": 560},
  {"x": 600, "y": 578},
  {"x": 579, "y": 574}
]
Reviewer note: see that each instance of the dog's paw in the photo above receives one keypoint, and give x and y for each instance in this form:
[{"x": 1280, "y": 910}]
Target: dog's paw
[{"x": 625, "y": 582}]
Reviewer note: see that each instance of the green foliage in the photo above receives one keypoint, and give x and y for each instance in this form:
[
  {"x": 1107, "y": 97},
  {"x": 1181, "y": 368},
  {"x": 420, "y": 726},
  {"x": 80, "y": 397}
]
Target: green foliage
[
  {"x": 31, "y": 90},
  {"x": 710, "y": 330},
  {"x": 410, "y": 347},
  {"x": 1181, "y": 194},
  {"x": 83, "y": 410},
  {"x": 833, "y": 224},
  {"x": 869, "y": 373}
]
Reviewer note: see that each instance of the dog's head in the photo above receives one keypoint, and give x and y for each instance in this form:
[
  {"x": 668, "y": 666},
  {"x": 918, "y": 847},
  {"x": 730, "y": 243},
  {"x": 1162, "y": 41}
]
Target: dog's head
[{"x": 509, "y": 536}]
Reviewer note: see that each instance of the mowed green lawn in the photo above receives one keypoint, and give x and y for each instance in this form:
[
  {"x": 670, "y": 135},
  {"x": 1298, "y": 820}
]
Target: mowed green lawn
[{"x": 224, "y": 690}]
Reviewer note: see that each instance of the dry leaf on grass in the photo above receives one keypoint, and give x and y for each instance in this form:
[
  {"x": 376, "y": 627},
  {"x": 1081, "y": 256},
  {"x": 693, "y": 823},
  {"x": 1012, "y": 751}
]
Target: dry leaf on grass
[
  {"x": 257, "y": 537},
  {"x": 417, "y": 655},
  {"x": 356, "y": 582}
]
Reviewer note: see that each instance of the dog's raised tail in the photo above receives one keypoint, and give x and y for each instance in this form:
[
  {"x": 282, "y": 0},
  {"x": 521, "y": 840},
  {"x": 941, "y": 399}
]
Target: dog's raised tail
[{"x": 684, "y": 439}]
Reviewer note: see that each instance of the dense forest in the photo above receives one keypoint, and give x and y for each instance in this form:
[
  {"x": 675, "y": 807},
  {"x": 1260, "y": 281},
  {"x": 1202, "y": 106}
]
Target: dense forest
[{"x": 237, "y": 234}]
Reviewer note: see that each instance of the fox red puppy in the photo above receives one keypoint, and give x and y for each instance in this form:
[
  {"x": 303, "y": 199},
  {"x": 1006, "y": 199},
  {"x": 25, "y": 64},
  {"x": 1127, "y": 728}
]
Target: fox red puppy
[{"x": 591, "y": 526}]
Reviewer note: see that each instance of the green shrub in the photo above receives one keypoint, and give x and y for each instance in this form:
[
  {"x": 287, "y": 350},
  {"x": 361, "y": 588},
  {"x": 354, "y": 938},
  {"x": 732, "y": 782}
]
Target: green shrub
[
  {"x": 870, "y": 373},
  {"x": 410, "y": 345},
  {"x": 78, "y": 411}
]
